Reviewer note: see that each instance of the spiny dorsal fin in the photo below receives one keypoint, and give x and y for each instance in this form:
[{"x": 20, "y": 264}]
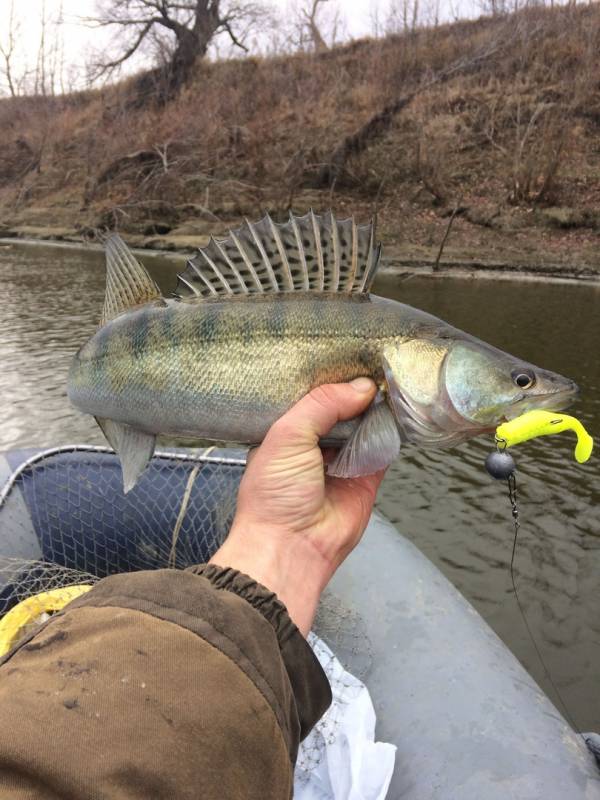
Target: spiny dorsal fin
[
  {"x": 310, "y": 253},
  {"x": 127, "y": 282}
]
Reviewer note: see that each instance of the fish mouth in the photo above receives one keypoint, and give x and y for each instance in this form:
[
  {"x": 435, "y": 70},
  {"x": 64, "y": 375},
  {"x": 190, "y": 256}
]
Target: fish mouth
[{"x": 554, "y": 401}]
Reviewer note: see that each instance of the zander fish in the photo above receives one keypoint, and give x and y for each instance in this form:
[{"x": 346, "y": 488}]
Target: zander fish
[{"x": 264, "y": 316}]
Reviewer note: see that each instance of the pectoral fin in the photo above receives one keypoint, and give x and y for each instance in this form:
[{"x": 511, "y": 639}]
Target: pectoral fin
[
  {"x": 135, "y": 449},
  {"x": 373, "y": 446}
]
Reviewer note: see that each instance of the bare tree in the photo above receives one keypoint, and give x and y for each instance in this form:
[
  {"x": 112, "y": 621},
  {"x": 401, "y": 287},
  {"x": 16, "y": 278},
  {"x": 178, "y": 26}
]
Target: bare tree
[
  {"x": 496, "y": 7},
  {"x": 31, "y": 70},
  {"x": 310, "y": 20},
  {"x": 311, "y": 30},
  {"x": 403, "y": 16},
  {"x": 39, "y": 85},
  {"x": 7, "y": 50},
  {"x": 180, "y": 31},
  {"x": 375, "y": 19}
]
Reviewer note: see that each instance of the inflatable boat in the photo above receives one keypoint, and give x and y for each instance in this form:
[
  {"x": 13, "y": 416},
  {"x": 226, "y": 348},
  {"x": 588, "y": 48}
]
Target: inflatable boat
[{"x": 468, "y": 721}]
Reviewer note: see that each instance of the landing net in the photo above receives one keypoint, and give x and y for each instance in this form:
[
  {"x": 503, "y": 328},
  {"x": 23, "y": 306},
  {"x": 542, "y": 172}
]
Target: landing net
[
  {"x": 64, "y": 518},
  {"x": 65, "y": 522}
]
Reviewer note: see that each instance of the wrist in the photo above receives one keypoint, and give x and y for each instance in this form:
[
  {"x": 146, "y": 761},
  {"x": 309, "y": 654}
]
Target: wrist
[{"x": 286, "y": 564}]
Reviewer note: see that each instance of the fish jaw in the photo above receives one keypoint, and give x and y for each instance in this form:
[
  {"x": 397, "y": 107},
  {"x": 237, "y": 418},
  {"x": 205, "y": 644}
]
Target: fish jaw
[{"x": 562, "y": 398}]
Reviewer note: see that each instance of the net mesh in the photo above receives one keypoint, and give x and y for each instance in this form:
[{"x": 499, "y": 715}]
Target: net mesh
[
  {"x": 345, "y": 688},
  {"x": 64, "y": 521},
  {"x": 64, "y": 518}
]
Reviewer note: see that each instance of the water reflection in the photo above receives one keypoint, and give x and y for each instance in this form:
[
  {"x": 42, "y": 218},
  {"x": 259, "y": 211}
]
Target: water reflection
[{"x": 444, "y": 501}]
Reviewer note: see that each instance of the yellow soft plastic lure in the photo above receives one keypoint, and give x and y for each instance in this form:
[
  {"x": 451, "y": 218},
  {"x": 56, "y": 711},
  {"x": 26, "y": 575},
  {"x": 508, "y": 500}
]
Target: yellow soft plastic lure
[
  {"x": 543, "y": 423},
  {"x": 16, "y": 622}
]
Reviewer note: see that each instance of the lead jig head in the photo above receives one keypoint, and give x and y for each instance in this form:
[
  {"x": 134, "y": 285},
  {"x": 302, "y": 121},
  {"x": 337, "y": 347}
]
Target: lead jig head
[{"x": 500, "y": 465}]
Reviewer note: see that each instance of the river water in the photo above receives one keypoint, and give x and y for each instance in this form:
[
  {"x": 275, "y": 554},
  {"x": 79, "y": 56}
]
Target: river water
[{"x": 444, "y": 501}]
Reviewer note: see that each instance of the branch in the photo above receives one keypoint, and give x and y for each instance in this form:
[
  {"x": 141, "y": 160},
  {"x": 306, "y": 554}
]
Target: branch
[
  {"x": 227, "y": 27},
  {"x": 128, "y": 53},
  {"x": 446, "y": 234},
  {"x": 102, "y": 23}
]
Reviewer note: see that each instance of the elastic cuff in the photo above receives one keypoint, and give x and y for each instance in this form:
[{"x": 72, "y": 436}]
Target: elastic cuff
[{"x": 259, "y": 597}]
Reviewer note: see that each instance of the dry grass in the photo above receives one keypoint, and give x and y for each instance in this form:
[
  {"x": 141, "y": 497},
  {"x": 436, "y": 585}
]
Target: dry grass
[{"x": 247, "y": 136}]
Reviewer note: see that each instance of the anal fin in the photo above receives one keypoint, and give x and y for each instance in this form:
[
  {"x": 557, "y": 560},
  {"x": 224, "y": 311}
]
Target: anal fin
[
  {"x": 135, "y": 449},
  {"x": 373, "y": 446}
]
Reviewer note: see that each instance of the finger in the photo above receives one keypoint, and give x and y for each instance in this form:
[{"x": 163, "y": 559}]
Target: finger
[
  {"x": 316, "y": 414},
  {"x": 252, "y": 451},
  {"x": 356, "y": 494}
]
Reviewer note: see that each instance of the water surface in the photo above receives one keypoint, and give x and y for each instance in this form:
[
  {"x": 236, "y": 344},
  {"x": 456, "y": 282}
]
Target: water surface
[{"x": 444, "y": 501}]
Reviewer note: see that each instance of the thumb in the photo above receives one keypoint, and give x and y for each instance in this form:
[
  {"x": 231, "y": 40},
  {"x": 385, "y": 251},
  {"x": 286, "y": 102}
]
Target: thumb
[{"x": 315, "y": 414}]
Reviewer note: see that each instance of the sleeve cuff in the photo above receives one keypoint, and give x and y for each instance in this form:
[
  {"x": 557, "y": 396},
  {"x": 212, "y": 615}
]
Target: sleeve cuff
[{"x": 308, "y": 680}]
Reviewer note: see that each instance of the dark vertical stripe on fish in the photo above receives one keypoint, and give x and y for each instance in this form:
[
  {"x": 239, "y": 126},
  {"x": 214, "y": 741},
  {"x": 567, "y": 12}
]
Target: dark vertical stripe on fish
[
  {"x": 208, "y": 323},
  {"x": 276, "y": 321},
  {"x": 168, "y": 330},
  {"x": 247, "y": 331},
  {"x": 140, "y": 337}
]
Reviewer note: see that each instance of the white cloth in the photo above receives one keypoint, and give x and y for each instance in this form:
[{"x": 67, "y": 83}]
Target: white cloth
[{"x": 340, "y": 759}]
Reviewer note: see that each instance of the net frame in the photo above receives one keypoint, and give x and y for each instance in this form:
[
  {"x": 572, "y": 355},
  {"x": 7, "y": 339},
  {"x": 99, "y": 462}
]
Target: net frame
[{"x": 175, "y": 539}]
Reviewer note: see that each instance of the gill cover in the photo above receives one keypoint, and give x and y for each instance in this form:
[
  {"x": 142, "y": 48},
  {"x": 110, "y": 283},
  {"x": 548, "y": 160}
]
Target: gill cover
[
  {"x": 414, "y": 374},
  {"x": 479, "y": 381}
]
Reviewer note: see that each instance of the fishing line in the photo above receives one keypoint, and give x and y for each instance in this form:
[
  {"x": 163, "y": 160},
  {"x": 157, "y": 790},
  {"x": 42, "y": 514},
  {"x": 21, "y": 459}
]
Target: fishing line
[{"x": 512, "y": 496}]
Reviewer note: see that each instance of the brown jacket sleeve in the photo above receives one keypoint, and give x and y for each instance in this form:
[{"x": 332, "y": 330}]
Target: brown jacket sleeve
[{"x": 160, "y": 685}]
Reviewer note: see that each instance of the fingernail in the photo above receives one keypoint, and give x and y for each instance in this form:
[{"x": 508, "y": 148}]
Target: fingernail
[{"x": 362, "y": 384}]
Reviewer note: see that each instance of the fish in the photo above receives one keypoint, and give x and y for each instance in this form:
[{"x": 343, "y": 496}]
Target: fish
[{"x": 265, "y": 315}]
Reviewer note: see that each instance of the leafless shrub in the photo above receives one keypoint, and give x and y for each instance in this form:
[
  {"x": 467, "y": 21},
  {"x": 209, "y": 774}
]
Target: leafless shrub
[
  {"x": 433, "y": 157},
  {"x": 539, "y": 140}
]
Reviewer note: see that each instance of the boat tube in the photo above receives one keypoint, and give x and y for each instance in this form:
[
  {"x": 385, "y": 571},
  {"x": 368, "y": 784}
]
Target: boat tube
[{"x": 468, "y": 721}]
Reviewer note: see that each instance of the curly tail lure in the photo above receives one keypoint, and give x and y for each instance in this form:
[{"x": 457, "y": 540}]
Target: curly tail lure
[
  {"x": 545, "y": 423},
  {"x": 501, "y": 466}
]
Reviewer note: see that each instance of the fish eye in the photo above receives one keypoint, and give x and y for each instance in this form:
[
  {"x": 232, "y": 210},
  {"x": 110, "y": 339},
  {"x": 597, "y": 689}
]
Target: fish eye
[{"x": 524, "y": 378}]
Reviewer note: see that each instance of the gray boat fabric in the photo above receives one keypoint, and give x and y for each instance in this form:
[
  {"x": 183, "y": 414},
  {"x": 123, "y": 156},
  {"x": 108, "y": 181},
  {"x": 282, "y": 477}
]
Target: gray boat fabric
[{"x": 469, "y": 722}]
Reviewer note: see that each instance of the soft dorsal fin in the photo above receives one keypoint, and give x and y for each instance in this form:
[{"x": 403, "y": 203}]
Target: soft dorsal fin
[
  {"x": 127, "y": 282},
  {"x": 310, "y": 253}
]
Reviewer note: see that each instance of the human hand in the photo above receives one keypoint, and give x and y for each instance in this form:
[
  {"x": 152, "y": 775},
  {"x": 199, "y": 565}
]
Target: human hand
[{"x": 294, "y": 524}]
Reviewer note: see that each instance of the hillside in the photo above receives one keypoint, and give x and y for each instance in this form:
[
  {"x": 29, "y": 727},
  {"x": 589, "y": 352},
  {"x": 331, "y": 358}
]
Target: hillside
[{"x": 496, "y": 119}]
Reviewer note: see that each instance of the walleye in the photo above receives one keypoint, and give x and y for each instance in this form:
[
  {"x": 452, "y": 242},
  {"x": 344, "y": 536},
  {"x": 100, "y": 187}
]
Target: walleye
[{"x": 264, "y": 316}]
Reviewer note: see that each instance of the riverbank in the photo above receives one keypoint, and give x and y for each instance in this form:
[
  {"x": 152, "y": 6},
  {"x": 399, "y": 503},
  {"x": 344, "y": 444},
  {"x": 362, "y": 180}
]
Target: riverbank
[
  {"x": 535, "y": 252},
  {"x": 494, "y": 121}
]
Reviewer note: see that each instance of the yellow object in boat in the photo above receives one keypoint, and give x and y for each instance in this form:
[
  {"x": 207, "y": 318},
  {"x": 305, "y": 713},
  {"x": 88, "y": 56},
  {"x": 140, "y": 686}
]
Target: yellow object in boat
[
  {"x": 543, "y": 423},
  {"x": 18, "y": 621}
]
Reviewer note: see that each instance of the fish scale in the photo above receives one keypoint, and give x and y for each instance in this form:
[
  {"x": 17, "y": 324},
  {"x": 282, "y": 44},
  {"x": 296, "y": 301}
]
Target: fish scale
[{"x": 270, "y": 313}]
